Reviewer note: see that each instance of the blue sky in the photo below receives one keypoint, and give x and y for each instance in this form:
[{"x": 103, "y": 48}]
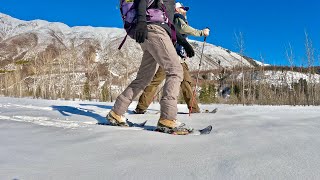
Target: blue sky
[{"x": 267, "y": 26}]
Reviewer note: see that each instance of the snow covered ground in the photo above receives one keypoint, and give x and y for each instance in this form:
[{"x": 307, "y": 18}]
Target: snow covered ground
[{"x": 44, "y": 139}]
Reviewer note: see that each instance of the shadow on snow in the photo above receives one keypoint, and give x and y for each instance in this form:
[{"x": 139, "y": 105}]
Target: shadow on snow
[{"x": 68, "y": 110}]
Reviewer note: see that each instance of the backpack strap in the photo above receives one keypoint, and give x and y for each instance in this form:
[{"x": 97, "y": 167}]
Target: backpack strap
[
  {"x": 170, "y": 24},
  {"x": 150, "y": 2}
]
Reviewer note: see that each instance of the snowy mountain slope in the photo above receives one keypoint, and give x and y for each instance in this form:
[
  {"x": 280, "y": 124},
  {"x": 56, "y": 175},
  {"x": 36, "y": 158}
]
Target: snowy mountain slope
[
  {"x": 43, "y": 50},
  {"x": 215, "y": 54},
  {"x": 278, "y": 77},
  {"x": 51, "y": 49},
  {"x": 42, "y": 34},
  {"x": 42, "y": 139}
]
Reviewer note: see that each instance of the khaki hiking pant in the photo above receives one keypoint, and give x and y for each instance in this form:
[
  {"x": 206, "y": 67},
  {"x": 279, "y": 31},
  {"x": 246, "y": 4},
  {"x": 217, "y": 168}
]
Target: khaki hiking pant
[
  {"x": 157, "y": 50},
  {"x": 186, "y": 87}
]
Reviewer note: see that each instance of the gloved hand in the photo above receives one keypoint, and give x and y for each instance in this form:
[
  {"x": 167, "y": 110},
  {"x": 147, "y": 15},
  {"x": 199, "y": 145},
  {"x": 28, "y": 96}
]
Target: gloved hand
[
  {"x": 187, "y": 47},
  {"x": 206, "y": 31},
  {"x": 141, "y": 32}
]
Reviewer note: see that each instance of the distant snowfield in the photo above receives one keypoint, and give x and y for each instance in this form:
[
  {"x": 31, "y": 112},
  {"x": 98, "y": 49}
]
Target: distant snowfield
[{"x": 44, "y": 139}]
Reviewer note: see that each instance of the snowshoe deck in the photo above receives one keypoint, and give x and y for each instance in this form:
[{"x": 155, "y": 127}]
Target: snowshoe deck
[
  {"x": 204, "y": 131},
  {"x": 195, "y": 132},
  {"x": 131, "y": 124},
  {"x": 204, "y": 111},
  {"x": 146, "y": 112}
]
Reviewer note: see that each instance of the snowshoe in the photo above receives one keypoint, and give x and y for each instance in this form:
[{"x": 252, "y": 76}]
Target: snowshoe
[
  {"x": 116, "y": 120},
  {"x": 173, "y": 127}
]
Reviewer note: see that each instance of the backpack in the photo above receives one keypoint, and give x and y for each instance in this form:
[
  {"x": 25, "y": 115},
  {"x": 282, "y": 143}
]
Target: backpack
[{"x": 129, "y": 16}]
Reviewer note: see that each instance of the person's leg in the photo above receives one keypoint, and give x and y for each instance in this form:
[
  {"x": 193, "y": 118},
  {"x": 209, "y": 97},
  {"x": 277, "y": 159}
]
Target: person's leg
[
  {"x": 148, "y": 94},
  {"x": 186, "y": 88},
  {"x": 145, "y": 73},
  {"x": 159, "y": 44}
]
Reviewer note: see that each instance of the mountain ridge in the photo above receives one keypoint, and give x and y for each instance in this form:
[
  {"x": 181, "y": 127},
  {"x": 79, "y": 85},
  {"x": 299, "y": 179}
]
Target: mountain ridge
[{"x": 43, "y": 34}]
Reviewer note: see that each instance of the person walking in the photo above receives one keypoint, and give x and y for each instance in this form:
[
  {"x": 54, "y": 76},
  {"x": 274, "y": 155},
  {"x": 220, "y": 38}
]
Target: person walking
[
  {"x": 158, "y": 50},
  {"x": 182, "y": 26}
]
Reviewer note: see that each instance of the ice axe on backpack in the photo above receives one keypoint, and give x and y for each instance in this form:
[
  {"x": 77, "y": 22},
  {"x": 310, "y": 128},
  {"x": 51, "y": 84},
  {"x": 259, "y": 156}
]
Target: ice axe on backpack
[{"x": 198, "y": 73}]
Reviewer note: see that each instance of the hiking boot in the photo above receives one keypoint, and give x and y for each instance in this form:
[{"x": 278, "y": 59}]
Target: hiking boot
[
  {"x": 139, "y": 111},
  {"x": 173, "y": 127},
  {"x": 116, "y": 120}
]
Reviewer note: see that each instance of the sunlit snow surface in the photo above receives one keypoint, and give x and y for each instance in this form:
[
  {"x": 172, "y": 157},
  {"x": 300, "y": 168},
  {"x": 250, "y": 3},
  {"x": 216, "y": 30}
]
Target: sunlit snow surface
[{"x": 46, "y": 139}]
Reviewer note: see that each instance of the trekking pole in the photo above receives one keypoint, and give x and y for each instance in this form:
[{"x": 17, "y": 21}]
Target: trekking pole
[{"x": 197, "y": 80}]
